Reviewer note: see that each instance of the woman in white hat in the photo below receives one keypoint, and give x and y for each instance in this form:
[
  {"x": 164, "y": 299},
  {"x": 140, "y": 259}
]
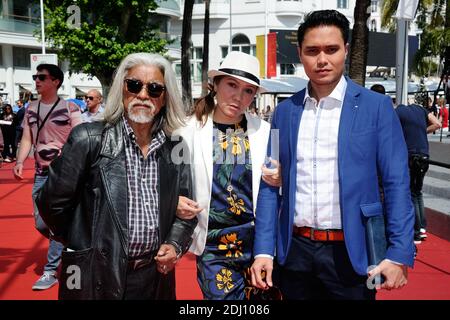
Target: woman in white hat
[{"x": 228, "y": 148}]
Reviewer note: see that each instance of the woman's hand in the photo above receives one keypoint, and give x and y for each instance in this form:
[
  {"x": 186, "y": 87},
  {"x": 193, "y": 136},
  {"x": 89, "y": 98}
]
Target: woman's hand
[{"x": 187, "y": 208}]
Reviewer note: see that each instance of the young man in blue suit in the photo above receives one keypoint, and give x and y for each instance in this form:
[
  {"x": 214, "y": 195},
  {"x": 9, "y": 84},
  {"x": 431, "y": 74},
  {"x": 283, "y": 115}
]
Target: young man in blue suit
[{"x": 335, "y": 138}]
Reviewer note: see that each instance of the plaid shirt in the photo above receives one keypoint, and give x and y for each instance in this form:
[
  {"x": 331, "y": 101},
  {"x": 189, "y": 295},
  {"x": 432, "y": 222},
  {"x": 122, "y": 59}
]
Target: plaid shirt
[
  {"x": 143, "y": 195},
  {"x": 317, "y": 193}
]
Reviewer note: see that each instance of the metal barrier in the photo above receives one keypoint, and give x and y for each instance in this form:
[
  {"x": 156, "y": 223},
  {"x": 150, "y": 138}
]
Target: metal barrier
[{"x": 439, "y": 164}]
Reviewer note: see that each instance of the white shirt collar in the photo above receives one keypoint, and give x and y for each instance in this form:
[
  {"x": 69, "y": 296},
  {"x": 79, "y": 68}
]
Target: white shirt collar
[{"x": 338, "y": 92}]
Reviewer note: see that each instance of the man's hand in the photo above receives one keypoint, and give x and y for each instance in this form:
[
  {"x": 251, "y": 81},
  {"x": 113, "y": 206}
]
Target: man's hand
[
  {"x": 166, "y": 258},
  {"x": 396, "y": 276},
  {"x": 260, "y": 266},
  {"x": 272, "y": 176},
  {"x": 18, "y": 171},
  {"x": 187, "y": 208}
]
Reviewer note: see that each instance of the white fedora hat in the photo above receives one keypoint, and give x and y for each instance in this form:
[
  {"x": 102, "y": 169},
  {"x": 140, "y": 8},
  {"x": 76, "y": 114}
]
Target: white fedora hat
[{"x": 239, "y": 65}]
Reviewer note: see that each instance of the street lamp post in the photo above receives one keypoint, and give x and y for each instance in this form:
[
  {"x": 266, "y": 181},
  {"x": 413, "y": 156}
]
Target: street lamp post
[
  {"x": 42, "y": 27},
  {"x": 231, "y": 32}
]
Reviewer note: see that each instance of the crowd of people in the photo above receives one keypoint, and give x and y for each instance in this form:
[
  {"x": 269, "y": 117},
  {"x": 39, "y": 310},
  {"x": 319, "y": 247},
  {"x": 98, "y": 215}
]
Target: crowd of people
[{"x": 289, "y": 204}]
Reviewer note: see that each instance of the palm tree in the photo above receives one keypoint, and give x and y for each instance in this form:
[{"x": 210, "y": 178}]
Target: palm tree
[
  {"x": 186, "y": 45},
  {"x": 360, "y": 42},
  {"x": 205, "y": 61},
  {"x": 388, "y": 9},
  {"x": 435, "y": 25}
]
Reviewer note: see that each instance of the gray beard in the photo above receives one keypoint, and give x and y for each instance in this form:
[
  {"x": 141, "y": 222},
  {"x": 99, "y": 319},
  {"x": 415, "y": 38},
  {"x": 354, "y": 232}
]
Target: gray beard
[{"x": 141, "y": 116}]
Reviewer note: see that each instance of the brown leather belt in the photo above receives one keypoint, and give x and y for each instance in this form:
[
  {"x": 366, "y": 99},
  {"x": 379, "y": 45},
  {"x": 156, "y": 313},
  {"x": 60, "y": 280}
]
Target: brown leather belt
[{"x": 319, "y": 235}]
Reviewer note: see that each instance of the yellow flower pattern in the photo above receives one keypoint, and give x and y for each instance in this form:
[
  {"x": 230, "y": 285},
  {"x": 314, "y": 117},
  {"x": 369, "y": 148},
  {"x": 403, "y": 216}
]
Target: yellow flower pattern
[
  {"x": 236, "y": 139},
  {"x": 237, "y": 205},
  {"x": 237, "y": 149},
  {"x": 224, "y": 280},
  {"x": 231, "y": 243},
  {"x": 246, "y": 145},
  {"x": 230, "y": 233},
  {"x": 224, "y": 144}
]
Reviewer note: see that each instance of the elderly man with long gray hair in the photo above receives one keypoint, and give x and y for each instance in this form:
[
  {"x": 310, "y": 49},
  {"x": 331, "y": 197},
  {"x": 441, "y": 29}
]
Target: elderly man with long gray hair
[{"x": 111, "y": 196}]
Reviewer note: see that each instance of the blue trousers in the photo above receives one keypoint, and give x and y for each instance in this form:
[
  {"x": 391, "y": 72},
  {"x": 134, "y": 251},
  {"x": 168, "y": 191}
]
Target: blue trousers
[{"x": 55, "y": 248}]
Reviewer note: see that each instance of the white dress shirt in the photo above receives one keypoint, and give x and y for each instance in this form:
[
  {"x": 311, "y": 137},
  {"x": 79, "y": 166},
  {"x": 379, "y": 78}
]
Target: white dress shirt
[{"x": 317, "y": 192}]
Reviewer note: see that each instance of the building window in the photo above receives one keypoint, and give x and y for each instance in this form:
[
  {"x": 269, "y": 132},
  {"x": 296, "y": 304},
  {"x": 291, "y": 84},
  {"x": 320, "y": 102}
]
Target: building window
[
  {"x": 21, "y": 57},
  {"x": 28, "y": 11},
  {"x": 287, "y": 68},
  {"x": 224, "y": 51},
  {"x": 342, "y": 4},
  {"x": 241, "y": 42},
  {"x": 374, "y": 5},
  {"x": 373, "y": 25},
  {"x": 196, "y": 64}
]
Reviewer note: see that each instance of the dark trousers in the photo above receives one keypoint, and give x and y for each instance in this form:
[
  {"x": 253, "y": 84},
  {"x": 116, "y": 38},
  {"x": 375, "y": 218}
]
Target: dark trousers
[
  {"x": 146, "y": 283},
  {"x": 320, "y": 270},
  {"x": 9, "y": 140},
  {"x": 418, "y": 167}
]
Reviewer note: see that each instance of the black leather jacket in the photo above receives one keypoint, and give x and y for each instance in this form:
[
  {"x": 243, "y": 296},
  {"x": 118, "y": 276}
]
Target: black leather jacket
[{"x": 84, "y": 203}]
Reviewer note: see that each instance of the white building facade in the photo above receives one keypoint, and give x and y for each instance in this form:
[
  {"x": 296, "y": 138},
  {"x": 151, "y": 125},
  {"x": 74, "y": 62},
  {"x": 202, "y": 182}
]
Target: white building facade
[
  {"x": 241, "y": 21},
  {"x": 235, "y": 23},
  {"x": 18, "y": 21}
]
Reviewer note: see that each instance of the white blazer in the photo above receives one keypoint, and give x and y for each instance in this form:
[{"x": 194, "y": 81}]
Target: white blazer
[{"x": 200, "y": 142}]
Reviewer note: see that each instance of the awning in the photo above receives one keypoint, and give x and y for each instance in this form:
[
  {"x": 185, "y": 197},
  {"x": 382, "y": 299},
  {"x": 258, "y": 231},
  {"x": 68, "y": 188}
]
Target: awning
[
  {"x": 79, "y": 92},
  {"x": 284, "y": 85},
  {"x": 23, "y": 88}
]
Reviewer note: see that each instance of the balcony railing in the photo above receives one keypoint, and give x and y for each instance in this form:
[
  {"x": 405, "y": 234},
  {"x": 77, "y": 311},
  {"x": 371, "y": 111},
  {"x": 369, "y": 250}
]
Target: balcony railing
[
  {"x": 219, "y": 9},
  {"x": 16, "y": 25},
  {"x": 168, "y": 8},
  {"x": 289, "y": 8}
]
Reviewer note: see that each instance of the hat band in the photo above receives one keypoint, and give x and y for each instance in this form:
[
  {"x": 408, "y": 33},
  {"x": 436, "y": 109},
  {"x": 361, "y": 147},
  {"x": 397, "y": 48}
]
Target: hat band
[{"x": 241, "y": 74}]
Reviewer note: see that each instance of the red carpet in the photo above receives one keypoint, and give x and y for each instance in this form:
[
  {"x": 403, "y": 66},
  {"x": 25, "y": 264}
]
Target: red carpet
[{"x": 23, "y": 254}]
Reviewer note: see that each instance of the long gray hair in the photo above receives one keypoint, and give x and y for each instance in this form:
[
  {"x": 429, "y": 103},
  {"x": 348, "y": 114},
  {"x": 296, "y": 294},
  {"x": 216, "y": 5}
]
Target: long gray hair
[{"x": 174, "y": 113}]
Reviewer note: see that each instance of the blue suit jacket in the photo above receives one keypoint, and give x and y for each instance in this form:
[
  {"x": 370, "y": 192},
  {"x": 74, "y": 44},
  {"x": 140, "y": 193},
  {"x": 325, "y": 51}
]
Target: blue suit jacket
[{"x": 370, "y": 141}]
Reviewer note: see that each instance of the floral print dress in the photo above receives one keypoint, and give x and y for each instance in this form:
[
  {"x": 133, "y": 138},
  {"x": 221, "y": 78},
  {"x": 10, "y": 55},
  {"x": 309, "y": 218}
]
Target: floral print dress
[{"x": 223, "y": 268}]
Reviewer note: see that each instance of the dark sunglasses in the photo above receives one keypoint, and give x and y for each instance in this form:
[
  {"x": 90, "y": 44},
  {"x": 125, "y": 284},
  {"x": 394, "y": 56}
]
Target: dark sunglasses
[
  {"x": 41, "y": 77},
  {"x": 154, "y": 89},
  {"x": 89, "y": 98}
]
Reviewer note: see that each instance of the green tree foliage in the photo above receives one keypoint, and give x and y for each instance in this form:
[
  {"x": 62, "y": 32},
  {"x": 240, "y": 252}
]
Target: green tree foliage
[
  {"x": 108, "y": 31},
  {"x": 435, "y": 37},
  {"x": 431, "y": 19}
]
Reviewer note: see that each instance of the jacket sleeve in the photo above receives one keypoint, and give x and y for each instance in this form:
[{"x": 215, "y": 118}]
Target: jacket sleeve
[
  {"x": 392, "y": 162},
  {"x": 58, "y": 197},
  {"x": 182, "y": 230},
  {"x": 266, "y": 218}
]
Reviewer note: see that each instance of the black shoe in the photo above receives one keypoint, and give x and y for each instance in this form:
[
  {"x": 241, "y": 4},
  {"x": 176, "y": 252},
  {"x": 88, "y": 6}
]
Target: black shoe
[{"x": 417, "y": 240}]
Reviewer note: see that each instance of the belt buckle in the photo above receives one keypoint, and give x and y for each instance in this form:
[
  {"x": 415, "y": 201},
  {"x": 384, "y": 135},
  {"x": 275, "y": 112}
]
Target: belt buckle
[
  {"x": 139, "y": 263},
  {"x": 134, "y": 263},
  {"x": 311, "y": 236}
]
